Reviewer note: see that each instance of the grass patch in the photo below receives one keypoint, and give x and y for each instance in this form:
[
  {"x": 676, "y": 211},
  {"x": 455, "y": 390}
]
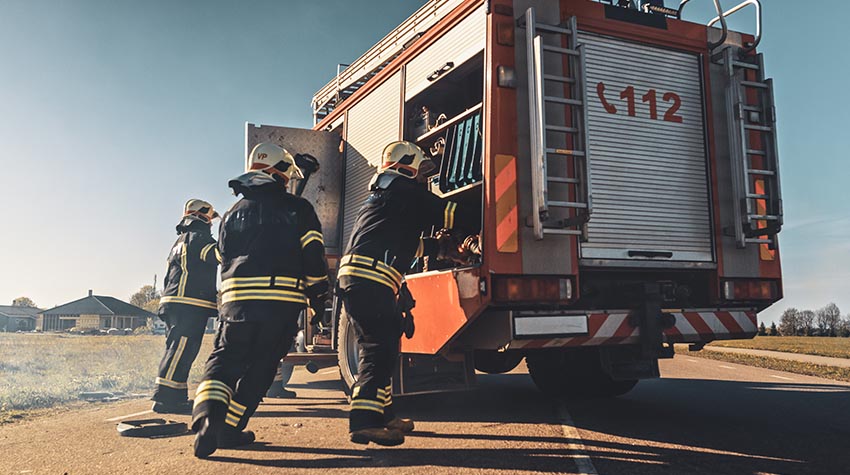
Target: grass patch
[
  {"x": 806, "y": 345},
  {"x": 46, "y": 370},
  {"x": 797, "y": 367}
]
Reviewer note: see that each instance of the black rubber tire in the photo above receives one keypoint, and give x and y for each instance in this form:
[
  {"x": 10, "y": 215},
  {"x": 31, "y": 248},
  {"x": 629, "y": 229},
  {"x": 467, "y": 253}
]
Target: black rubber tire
[
  {"x": 574, "y": 374},
  {"x": 347, "y": 353},
  {"x": 494, "y": 362}
]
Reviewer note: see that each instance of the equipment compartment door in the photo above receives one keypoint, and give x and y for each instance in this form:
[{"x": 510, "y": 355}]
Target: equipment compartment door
[
  {"x": 647, "y": 134},
  {"x": 324, "y": 187}
]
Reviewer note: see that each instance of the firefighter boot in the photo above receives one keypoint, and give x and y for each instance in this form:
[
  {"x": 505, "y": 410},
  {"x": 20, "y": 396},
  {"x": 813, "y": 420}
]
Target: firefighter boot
[
  {"x": 206, "y": 439},
  {"x": 402, "y": 425},
  {"x": 378, "y": 435},
  {"x": 229, "y": 438}
]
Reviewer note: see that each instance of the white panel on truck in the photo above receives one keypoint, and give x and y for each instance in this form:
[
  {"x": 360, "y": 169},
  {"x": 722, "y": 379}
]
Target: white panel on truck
[
  {"x": 372, "y": 123},
  {"x": 462, "y": 42},
  {"x": 646, "y": 127},
  {"x": 324, "y": 186}
]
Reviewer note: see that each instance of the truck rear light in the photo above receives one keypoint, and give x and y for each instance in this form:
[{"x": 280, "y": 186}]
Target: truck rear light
[
  {"x": 532, "y": 289},
  {"x": 736, "y": 290}
]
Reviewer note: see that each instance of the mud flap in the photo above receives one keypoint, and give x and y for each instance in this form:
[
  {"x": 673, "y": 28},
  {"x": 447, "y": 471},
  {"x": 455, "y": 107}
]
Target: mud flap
[{"x": 649, "y": 318}]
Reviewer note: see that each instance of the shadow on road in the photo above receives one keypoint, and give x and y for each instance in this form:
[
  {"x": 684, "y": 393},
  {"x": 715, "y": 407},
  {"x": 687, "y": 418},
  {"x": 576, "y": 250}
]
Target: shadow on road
[{"x": 666, "y": 425}]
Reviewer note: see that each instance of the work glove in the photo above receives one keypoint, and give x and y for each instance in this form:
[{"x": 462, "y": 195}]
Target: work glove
[
  {"x": 449, "y": 248},
  {"x": 405, "y": 305}
]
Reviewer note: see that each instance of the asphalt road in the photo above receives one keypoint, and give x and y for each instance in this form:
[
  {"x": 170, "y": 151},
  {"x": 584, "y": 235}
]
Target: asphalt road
[{"x": 702, "y": 417}]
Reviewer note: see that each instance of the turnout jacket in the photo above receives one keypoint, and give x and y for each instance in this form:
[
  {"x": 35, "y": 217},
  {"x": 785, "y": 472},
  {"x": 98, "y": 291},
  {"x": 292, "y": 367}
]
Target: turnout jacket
[
  {"x": 388, "y": 232},
  {"x": 272, "y": 247},
  {"x": 190, "y": 278}
]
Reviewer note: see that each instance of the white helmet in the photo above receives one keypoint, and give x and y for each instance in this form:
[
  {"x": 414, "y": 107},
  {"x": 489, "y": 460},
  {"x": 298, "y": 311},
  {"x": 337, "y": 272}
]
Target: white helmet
[
  {"x": 273, "y": 160},
  {"x": 406, "y": 159},
  {"x": 199, "y": 209}
]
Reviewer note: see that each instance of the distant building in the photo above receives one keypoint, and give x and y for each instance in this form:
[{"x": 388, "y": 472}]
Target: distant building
[
  {"x": 13, "y": 318},
  {"x": 92, "y": 313}
]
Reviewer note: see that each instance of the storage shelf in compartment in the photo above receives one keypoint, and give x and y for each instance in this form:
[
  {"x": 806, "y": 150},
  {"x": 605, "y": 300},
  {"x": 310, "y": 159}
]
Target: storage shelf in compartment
[
  {"x": 458, "y": 191},
  {"x": 454, "y": 120}
]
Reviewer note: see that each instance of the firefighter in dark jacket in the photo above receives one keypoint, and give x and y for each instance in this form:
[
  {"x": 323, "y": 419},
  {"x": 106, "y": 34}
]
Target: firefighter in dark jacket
[
  {"x": 188, "y": 300},
  {"x": 386, "y": 237},
  {"x": 273, "y": 267}
]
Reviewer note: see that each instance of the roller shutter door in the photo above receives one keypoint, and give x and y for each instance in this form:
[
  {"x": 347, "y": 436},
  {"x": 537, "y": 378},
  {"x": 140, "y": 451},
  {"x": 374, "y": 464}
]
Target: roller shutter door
[
  {"x": 372, "y": 123},
  {"x": 648, "y": 164},
  {"x": 459, "y": 44}
]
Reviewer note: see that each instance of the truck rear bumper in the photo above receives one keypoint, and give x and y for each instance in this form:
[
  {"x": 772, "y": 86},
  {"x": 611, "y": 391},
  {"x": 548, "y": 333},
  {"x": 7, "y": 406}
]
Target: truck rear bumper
[{"x": 536, "y": 330}]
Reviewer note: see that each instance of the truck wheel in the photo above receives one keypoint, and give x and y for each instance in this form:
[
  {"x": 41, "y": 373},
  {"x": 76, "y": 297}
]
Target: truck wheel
[
  {"x": 348, "y": 353},
  {"x": 574, "y": 374},
  {"x": 494, "y": 362}
]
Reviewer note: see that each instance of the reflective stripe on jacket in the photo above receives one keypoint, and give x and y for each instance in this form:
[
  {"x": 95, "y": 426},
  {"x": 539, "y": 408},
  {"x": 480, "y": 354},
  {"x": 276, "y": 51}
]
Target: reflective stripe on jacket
[
  {"x": 272, "y": 249},
  {"x": 192, "y": 263}
]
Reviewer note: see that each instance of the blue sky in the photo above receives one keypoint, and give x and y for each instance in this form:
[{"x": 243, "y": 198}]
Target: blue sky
[{"x": 114, "y": 113}]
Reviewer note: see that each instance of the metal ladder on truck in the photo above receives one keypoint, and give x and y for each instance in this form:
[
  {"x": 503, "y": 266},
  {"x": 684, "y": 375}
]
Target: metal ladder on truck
[
  {"x": 752, "y": 133},
  {"x": 549, "y": 109}
]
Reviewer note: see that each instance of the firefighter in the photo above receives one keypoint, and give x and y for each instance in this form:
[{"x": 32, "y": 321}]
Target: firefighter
[
  {"x": 386, "y": 237},
  {"x": 273, "y": 267},
  {"x": 188, "y": 301}
]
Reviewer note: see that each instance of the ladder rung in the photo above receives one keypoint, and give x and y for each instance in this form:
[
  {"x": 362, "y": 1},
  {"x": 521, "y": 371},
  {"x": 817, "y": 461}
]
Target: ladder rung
[
  {"x": 562, "y": 100},
  {"x": 566, "y": 181},
  {"x": 759, "y": 241},
  {"x": 563, "y": 232},
  {"x": 759, "y": 85},
  {"x": 752, "y": 109},
  {"x": 758, "y": 197},
  {"x": 556, "y": 49},
  {"x": 759, "y": 128},
  {"x": 741, "y": 64},
  {"x": 559, "y": 128},
  {"x": 763, "y": 217},
  {"x": 561, "y": 151},
  {"x": 552, "y": 77},
  {"x": 552, "y": 29},
  {"x": 567, "y": 204},
  {"x": 753, "y": 171},
  {"x": 756, "y": 152}
]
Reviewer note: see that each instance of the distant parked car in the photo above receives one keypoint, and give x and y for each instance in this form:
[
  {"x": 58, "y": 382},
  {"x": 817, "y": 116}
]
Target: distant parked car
[
  {"x": 128, "y": 331},
  {"x": 114, "y": 331},
  {"x": 159, "y": 327}
]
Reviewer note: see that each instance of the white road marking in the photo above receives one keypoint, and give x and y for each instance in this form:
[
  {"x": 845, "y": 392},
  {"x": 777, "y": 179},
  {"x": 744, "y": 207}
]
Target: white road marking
[
  {"x": 726, "y": 367},
  {"x": 129, "y": 415},
  {"x": 781, "y": 377},
  {"x": 583, "y": 462}
]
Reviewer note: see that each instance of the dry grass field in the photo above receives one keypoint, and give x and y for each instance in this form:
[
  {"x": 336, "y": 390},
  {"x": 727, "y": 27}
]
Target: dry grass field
[
  {"x": 797, "y": 367},
  {"x": 807, "y": 345},
  {"x": 45, "y": 370}
]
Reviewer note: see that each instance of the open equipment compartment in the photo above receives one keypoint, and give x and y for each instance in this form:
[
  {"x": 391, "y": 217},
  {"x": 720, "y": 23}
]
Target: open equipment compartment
[{"x": 445, "y": 120}]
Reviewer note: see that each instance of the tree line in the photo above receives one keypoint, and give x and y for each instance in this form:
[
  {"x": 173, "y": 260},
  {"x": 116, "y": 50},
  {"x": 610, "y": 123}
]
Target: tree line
[{"x": 826, "y": 321}]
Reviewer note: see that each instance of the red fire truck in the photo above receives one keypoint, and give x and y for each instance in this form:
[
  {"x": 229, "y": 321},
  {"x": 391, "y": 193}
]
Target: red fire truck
[{"x": 625, "y": 161}]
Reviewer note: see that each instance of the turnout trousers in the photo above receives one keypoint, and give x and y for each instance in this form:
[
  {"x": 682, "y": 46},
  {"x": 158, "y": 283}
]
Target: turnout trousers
[
  {"x": 243, "y": 364},
  {"x": 371, "y": 307},
  {"x": 185, "y": 333}
]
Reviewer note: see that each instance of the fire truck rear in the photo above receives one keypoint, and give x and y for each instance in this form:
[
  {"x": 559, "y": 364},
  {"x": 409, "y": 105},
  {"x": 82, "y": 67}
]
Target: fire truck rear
[{"x": 625, "y": 161}]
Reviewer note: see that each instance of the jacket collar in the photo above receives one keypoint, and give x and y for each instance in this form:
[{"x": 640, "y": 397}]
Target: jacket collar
[{"x": 255, "y": 182}]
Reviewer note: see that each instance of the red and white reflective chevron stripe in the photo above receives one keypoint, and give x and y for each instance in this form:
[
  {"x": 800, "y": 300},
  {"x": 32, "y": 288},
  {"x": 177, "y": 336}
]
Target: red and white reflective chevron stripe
[{"x": 691, "y": 327}]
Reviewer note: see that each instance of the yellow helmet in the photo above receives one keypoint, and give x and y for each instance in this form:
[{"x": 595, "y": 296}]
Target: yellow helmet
[
  {"x": 273, "y": 160},
  {"x": 406, "y": 159},
  {"x": 199, "y": 209}
]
